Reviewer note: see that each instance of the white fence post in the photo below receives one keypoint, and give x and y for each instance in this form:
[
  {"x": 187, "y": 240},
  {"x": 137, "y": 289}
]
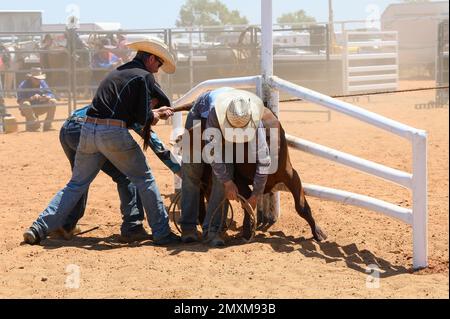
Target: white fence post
[
  {"x": 269, "y": 95},
  {"x": 420, "y": 201},
  {"x": 177, "y": 129}
]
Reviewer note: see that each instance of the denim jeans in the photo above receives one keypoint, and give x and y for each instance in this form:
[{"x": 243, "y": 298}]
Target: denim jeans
[
  {"x": 130, "y": 202},
  {"x": 99, "y": 143},
  {"x": 190, "y": 194}
]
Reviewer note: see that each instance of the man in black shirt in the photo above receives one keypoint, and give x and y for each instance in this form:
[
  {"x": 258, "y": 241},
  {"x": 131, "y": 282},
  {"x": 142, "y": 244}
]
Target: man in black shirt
[{"x": 127, "y": 96}]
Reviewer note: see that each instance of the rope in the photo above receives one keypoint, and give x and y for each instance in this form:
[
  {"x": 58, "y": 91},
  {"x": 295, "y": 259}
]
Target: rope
[
  {"x": 376, "y": 93},
  {"x": 174, "y": 203},
  {"x": 247, "y": 209},
  {"x": 245, "y": 205}
]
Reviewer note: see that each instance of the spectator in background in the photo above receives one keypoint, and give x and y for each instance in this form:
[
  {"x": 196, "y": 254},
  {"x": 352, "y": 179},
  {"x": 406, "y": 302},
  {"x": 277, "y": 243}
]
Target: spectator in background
[
  {"x": 103, "y": 61},
  {"x": 2, "y": 100},
  {"x": 122, "y": 51},
  {"x": 35, "y": 98},
  {"x": 47, "y": 44},
  {"x": 5, "y": 58}
]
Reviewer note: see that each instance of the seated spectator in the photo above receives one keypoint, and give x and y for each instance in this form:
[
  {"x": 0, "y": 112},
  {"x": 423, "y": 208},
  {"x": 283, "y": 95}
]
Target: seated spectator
[
  {"x": 7, "y": 65},
  {"x": 104, "y": 58},
  {"x": 32, "y": 93},
  {"x": 122, "y": 50},
  {"x": 2, "y": 100},
  {"x": 4, "y": 60},
  {"x": 103, "y": 61}
]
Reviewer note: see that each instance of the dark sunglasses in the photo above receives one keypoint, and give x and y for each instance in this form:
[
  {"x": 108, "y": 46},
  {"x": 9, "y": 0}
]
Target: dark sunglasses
[{"x": 160, "y": 61}]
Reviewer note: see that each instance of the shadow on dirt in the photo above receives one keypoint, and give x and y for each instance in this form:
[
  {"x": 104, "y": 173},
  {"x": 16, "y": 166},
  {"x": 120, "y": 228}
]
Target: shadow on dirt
[
  {"x": 354, "y": 258},
  {"x": 330, "y": 252}
]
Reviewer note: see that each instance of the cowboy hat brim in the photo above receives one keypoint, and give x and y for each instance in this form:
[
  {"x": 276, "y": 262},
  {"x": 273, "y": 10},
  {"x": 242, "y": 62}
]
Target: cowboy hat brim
[
  {"x": 159, "y": 49},
  {"x": 37, "y": 77},
  {"x": 238, "y": 135}
]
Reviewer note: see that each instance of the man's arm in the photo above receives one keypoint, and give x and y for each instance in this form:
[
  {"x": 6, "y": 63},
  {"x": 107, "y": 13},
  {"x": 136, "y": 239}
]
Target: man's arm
[
  {"x": 219, "y": 168},
  {"x": 143, "y": 107},
  {"x": 165, "y": 155},
  {"x": 46, "y": 90},
  {"x": 22, "y": 95},
  {"x": 263, "y": 162}
]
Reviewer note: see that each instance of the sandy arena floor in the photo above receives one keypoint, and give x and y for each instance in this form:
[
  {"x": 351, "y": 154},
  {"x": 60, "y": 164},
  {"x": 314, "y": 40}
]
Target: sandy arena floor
[{"x": 282, "y": 263}]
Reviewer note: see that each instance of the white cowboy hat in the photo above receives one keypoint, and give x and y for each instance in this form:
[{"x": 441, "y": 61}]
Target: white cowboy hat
[
  {"x": 158, "y": 48},
  {"x": 36, "y": 73},
  {"x": 239, "y": 114}
]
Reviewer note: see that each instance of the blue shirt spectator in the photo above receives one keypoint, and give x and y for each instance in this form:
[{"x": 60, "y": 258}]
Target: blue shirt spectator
[
  {"x": 105, "y": 60},
  {"x": 31, "y": 87},
  {"x": 33, "y": 92}
]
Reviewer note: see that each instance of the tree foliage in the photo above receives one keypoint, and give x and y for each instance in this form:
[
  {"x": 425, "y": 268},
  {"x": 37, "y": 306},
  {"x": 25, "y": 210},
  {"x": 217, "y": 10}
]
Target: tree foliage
[
  {"x": 208, "y": 13},
  {"x": 295, "y": 17}
]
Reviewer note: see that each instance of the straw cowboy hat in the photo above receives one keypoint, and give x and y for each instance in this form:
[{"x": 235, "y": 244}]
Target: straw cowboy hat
[
  {"x": 239, "y": 113},
  {"x": 37, "y": 74},
  {"x": 158, "y": 48}
]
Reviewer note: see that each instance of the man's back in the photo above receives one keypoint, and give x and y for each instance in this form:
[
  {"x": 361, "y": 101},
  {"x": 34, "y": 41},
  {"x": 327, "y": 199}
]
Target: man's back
[{"x": 125, "y": 94}]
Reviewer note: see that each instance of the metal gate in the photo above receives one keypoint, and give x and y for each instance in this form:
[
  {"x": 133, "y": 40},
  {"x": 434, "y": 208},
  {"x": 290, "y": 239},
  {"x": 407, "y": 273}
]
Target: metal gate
[
  {"x": 370, "y": 61},
  {"x": 442, "y": 64}
]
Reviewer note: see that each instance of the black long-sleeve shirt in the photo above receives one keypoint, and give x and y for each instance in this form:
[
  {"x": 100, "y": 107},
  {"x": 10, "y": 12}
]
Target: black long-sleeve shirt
[{"x": 125, "y": 94}]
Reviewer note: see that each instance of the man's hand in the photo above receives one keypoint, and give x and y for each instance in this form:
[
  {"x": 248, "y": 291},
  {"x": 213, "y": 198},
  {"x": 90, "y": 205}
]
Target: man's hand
[
  {"x": 156, "y": 118},
  {"x": 45, "y": 98},
  {"x": 35, "y": 97},
  {"x": 253, "y": 200},
  {"x": 165, "y": 112},
  {"x": 231, "y": 191}
]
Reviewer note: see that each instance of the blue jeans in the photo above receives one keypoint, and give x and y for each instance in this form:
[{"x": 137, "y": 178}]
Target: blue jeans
[
  {"x": 130, "y": 202},
  {"x": 190, "y": 194},
  {"x": 99, "y": 143}
]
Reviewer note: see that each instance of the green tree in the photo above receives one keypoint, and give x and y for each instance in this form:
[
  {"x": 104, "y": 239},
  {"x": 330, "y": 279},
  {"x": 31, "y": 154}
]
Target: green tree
[
  {"x": 208, "y": 13},
  {"x": 294, "y": 18}
]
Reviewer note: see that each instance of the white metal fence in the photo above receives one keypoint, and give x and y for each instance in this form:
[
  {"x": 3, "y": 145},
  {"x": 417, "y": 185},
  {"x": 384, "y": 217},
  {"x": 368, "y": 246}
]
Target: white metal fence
[{"x": 370, "y": 61}]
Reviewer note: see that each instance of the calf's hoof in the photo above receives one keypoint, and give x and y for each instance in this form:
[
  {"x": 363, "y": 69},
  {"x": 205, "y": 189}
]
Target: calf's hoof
[{"x": 319, "y": 234}]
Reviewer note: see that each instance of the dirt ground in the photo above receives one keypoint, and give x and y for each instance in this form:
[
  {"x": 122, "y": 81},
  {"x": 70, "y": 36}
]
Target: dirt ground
[{"x": 281, "y": 263}]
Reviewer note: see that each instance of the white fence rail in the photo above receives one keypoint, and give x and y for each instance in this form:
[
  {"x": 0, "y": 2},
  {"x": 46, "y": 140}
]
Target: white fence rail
[
  {"x": 370, "y": 61},
  {"x": 194, "y": 93}
]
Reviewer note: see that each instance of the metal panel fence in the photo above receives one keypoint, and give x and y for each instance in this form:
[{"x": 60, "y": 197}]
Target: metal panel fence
[
  {"x": 71, "y": 58},
  {"x": 26, "y": 50},
  {"x": 370, "y": 61},
  {"x": 442, "y": 64}
]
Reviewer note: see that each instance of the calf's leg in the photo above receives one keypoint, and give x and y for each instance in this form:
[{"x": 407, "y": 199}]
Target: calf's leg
[
  {"x": 244, "y": 191},
  {"x": 294, "y": 184}
]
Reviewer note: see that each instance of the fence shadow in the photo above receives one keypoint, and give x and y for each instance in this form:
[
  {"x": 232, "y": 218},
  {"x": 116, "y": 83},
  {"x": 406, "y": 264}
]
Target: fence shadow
[{"x": 354, "y": 258}]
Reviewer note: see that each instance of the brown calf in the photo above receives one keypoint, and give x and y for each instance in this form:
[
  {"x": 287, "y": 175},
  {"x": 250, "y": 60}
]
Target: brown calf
[{"x": 285, "y": 175}]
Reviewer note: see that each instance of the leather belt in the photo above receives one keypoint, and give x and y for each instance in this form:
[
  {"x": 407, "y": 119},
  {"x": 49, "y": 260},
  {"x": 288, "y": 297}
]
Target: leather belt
[{"x": 108, "y": 122}]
